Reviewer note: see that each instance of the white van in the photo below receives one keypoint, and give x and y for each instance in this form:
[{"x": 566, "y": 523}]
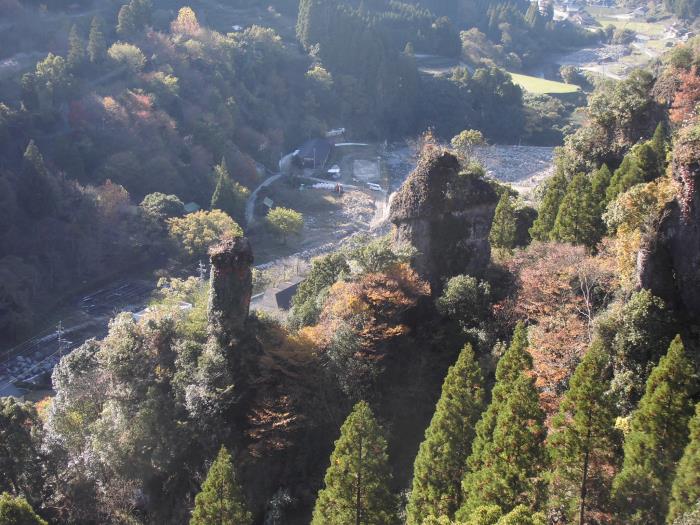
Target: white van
[{"x": 374, "y": 187}]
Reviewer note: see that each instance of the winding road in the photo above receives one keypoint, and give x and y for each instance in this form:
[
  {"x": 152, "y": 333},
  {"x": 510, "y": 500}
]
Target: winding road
[{"x": 250, "y": 203}]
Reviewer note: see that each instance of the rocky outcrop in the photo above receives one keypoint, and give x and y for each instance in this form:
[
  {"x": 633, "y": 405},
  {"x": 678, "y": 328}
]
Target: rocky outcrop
[
  {"x": 446, "y": 215},
  {"x": 231, "y": 288},
  {"x": 668, "y": 263}
]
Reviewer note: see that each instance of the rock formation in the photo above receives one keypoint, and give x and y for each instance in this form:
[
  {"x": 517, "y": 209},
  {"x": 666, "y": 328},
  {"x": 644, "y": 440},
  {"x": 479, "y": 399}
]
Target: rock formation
[
  {"x": 668, "y": 263},
  {"x": 231, "y": 288},
  {"x": 446, "y": 216}
]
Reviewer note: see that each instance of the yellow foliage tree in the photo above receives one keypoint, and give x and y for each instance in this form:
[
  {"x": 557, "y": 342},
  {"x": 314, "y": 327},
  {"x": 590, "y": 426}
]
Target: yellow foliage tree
[
  {"x": 196, "y": 232},
  {"x": 631, "y": 216},
  {"x": 186, "y": 22}
]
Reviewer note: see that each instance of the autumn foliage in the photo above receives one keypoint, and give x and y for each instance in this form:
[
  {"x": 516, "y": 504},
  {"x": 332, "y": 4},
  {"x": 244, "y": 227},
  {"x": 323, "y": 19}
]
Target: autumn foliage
[
  {"x": 373, "y": 305},
  {"x": 559, "y": 290},
  {"x": 684, "y": 107}
]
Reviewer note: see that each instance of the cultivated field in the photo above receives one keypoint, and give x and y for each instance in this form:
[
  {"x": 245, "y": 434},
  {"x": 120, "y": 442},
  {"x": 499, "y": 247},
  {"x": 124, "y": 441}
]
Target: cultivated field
[{"x": 542, "y": 85}]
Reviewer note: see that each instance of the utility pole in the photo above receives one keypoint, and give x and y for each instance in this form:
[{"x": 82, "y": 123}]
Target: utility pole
[{"x": 59, "y": 334}]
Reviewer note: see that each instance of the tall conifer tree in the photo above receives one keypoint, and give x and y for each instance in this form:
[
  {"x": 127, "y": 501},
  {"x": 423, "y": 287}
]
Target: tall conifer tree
[
  {"x": 599, "y": 185},
  {"x": 584, "y": 441},
  {"x": 647, "y": 161},
  {"x": 76, "y": 49},
  {"x": 577, "y": 219},
  {"x": 503, "y": 228},
  {"x": 659, "y": 144},
  {"x": 36, "y": 190},
  {"x": 549, "y": 207},
  {"x": 626, "y": 176},
  {"x": 96, "y": 48},
  {"x": 357, "y": 482},
  {"x": 442, "y": 457},
  {"x": 228, "y": 196},
  {"x": 508, "y": 454},
  {"x": 657, "y": 437},
  {"x": 685, "y": 493},
  {"x": 221, "y": 501},
  {"x": 127, "y": 21}
]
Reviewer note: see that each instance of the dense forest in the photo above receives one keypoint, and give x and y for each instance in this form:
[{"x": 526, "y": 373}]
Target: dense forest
[
  {"x": 485, "y": 361},
  {"x": 134, "y": 108}
]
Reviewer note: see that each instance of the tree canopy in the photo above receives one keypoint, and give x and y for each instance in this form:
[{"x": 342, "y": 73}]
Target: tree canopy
[
  {"x": 357, "y": 484},
  {"x": 221, "y": 500}
]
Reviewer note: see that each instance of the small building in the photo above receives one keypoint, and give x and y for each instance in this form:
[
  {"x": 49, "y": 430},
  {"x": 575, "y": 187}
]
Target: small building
[
  {"x": 314, "y": 153},
  {"x": 192, "y": 207},
  {"x": 283, "y": 298},
  {"x": 277, "y": 300}
]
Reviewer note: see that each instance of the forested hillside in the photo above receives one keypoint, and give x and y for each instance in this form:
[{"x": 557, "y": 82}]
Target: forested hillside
[
  {"x": 134, "y": 103},
  {"x": 477, "y": 359}
]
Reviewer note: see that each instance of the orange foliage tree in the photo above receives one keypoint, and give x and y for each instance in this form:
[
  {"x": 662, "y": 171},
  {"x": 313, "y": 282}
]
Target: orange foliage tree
[
  {"x": 686, "y": 99},
  {"x": 372, "y": 306},
  {"x": 559, "y": 290}
]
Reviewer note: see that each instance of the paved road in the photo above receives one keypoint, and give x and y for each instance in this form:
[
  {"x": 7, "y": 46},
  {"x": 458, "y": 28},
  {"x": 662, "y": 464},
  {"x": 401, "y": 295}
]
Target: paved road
[
  {"x": 250, "y": 204},
  {"x": 33, "y": 360}
]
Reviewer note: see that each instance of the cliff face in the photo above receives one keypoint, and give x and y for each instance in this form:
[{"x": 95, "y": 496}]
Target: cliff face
[
  {"x": 669, "y": 262},
  {"x": 446, "y": 216},
  {"x": 231, "y": 289}
]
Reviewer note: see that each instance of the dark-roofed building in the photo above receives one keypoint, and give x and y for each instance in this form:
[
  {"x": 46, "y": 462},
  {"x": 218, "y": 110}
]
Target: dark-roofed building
[
  {"x": 277, "y": 300},
  {"x": 284, "y": 297},
  {"x": 314, "y": 153}
]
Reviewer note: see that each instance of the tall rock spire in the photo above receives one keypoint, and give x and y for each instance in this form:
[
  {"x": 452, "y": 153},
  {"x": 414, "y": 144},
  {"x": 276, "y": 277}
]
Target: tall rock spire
[
  {"x": 446, "y": 215},
  {"x": 231, "y": 288}
]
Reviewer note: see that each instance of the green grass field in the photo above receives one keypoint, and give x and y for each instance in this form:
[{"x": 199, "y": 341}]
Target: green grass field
[
  {"x": 650, "y": 29},
  {"x": 542, "y": 86}
]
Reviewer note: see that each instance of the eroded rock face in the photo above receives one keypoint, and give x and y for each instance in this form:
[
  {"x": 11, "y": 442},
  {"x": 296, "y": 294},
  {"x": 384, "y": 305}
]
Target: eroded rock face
[
  {"x": 669, "y": 262},
  {"x": 231, "y": 288},
  {"x": 446, "y": 216}
]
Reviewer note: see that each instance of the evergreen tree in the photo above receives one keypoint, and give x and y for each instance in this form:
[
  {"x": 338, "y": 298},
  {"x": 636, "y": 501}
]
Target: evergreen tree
[
  {"x": 503, "y": 228},
  {"x": 600, "y": 180},
  {"x": 29, "y": 95},
  {"x": 507, "y": 458},
  {"x": 685, "y": 493},
  {"x": 647, "y": 161},
  {"x": 659, "y": 145},
  {"x": 584, "y": 441},
  {"x": 658, "y": 434},
  {"x": 126, "y": 21},
  {"x": 442, "y": 457},
  {"x": 314, "y": 22},
  {"x": 36, "y": 191},
  {"x": 228, "y": 196},
  {"x": 577, "y": 219},
  {"x": 599, "y": 185},
  {"x": 302, "y": 28},
  {"x": 626, "y": 176},
  {"x": 96, "y": 48},
  {"x": 76, "y": 49},
  {"x": 509, "y": 470},
  {"x": 510, "y": 365},
  {"x": 357, "y": 482},
  {"x": 221, "y": 501},
  {"x": 555, "y": 190}
]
